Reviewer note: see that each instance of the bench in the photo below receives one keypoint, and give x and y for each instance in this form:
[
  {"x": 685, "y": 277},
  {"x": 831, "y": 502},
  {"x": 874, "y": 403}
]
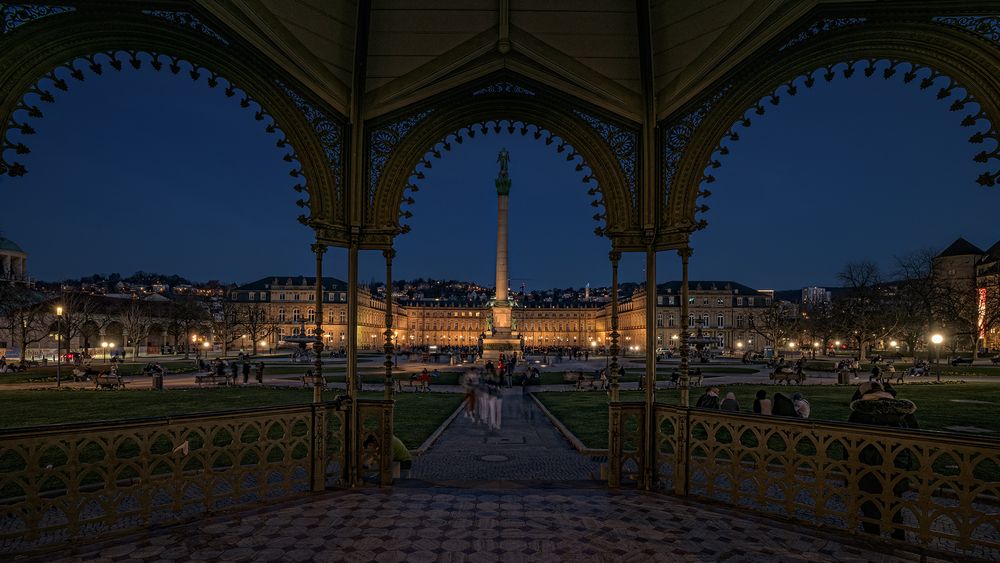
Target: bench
[
  {"x": 104, "y": 381},
  {"x": 960, "y": 361},
  {"x": 571, "y": 376},
  {"x": 587, "y": 382},
  {"x": 414, "y": 384},
  {"x": 212, "y": 378}
]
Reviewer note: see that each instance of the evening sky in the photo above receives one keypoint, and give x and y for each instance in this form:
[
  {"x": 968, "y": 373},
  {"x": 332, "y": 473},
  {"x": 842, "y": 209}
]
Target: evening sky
[{"x": 149, "y": 171}]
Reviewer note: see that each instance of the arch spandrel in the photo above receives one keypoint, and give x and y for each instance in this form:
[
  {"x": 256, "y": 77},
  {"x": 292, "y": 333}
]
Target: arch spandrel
[
  {"x": 605, "y": 151},
  {"x": 34, "y": 49},
  {"x": 970, "y": 60}
]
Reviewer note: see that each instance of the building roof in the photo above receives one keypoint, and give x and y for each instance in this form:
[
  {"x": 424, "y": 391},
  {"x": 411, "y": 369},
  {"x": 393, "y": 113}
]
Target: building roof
[
  {"x": 960, "y": 247},
  {"x": 706, "y": 285},
  {"x": 993, "y": 252},
  {"x": 277, "y": 282},
  {"x": 9, "y": 245}
]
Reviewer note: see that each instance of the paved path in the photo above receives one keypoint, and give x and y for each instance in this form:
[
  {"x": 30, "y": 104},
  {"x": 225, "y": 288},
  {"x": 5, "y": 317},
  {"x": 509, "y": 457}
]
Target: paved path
[
  {"x": 526, "y": 448},
  {"x": 509, "y": 525}
]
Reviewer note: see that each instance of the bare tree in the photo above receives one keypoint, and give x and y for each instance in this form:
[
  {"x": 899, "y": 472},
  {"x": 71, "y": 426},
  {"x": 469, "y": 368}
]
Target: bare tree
[
  {"x": 918, "y": 294},
  {"x": 25, "y": 315},
  {"x": 227, "y": 325},
  {"x": 866, "y": 312},
  {"x": 821, "y": 324},
  {"x": 135, "y": 322},
  {"x": 186, "y": 314},
  {"x": 776, "y": 323},
  {"x": 78, "y": 310},
  {"x": 256, "y": 322}
]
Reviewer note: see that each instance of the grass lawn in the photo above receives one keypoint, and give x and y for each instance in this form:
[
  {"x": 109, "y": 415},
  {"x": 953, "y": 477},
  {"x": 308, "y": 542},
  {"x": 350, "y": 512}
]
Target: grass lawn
[
  {"x": 417, "y": 415},
  {"x": 938, "y": 406},
  {"x": 48, "y": 373}
]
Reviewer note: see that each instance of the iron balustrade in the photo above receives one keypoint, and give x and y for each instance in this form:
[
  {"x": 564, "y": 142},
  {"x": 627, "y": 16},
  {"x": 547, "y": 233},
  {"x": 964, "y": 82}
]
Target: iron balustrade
[
  {"x": 63, "y": 483},
  {"x": 938, "y": 491}
]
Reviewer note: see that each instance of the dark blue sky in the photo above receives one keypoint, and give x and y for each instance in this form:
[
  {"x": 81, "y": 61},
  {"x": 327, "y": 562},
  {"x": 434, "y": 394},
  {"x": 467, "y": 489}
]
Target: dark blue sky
[{"x": 145, "y": 170}]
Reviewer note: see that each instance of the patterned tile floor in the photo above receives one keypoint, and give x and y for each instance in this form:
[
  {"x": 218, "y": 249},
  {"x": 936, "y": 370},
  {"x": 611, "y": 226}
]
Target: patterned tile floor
[
  {"x": 513, "y": 524},
  {"x": 461, "y": 507}
]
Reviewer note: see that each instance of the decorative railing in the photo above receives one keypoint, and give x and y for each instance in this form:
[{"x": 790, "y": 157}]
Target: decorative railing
[
  {"x": 938, "y": 491},
  {"x": 68, "y": 482},
  {"x": 627, "y": 443}
]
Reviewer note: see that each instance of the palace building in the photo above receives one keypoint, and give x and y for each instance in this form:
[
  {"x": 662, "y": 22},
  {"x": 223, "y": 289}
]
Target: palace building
[{"x": 718, "y": 309}]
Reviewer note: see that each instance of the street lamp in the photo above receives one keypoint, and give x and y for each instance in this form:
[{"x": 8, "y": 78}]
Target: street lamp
[
  {"x": 59, "y": 311},
  {"x": 937, "y": 339},
  {"x": 104, "y": 345}
]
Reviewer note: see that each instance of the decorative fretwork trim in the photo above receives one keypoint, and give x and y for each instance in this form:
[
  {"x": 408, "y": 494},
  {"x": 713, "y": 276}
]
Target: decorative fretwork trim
[
  {"x": 330, "y": 133},
  {"x": 820, "y": 27},
  {"x": 624, "y": 145},
  {"x": 503, "y": 87},
  {"x": 13, "y": 16},
  {"x": 381, "y": 143},
  {"x": 678, "y": 133},
  {"x": 188, "y": 20},
  {"x": 511, "y": 126},
  {"x": 984, "y": 26}
]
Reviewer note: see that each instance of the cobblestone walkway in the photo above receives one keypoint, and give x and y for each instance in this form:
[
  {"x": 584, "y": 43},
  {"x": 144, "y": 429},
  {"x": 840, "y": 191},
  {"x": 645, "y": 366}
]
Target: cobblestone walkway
[
  {"x": 448, "y": 524},
  {"x": 526, "y": 448}
]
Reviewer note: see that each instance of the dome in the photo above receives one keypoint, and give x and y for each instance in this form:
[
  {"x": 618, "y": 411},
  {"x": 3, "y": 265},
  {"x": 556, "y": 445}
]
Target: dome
[{"x": 9, "y": 245}]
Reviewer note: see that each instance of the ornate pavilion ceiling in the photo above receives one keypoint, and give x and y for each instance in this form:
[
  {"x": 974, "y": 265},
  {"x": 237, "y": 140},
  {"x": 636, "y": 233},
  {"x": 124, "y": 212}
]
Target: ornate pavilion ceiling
[{"x": 588, "y": 47}]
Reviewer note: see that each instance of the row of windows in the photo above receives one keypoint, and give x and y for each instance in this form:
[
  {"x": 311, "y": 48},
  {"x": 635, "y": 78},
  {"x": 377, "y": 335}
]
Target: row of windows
[
  {"x": 719, "y": 301},
  {"x": 262, "y": 296},
  {"x": 720, "y": 320}
]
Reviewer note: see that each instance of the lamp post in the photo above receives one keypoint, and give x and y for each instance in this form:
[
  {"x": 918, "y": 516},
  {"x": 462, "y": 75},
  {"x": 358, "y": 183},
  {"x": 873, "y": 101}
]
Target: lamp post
[
  {"x": 104, "y": 346},
  {"x": 59, "y": 312}
]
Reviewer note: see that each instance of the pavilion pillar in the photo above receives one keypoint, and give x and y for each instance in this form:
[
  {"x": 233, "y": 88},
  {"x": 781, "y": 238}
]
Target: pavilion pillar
[
  {"x": 682, "y": 383},
  {"x": 615, "y": 257},
  {"x": 387, "y": 391},
  {"x": 650, "y": 398},
  {"x": 318, "y": 381}
]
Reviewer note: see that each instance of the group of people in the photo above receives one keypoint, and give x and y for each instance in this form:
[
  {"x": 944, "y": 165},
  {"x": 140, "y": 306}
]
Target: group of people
[
  {"x": 503, "y": 370},
  {"x": 483, "y": 397},
  {"x": 794, "y": 406},
  {"x": 220, "y": 367}
]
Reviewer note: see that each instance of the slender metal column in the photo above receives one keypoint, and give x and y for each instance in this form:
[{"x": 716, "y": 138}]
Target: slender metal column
[
  {"x": 352, "y": 321},
  {"x": 650, "y": 465},
  {"x": 615, "y": 256},
  {"x": 685, "y": 254},
  {"x": 318, "y": 381},
  {"x": 389, "y": 254}
]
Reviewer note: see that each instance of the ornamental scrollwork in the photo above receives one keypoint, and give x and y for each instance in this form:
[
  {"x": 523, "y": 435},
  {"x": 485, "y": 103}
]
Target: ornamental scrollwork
[
  {"x": 13, "y": 16},
  {"x": 382, "y": 141},
  {"x": 820, "y": 27},
  {"x": 188, "y": 20},
  {"x": 503, "y": 87},
  {"x": 624, "y": 145},
  {"x": 510, "y": 126},
  {"x": 677, "y": 134},
  {"x": 330, "y": 133},
  {"x": 987, "y": 27}
]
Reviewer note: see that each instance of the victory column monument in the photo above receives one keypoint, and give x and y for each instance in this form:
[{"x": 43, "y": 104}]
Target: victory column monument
[{"x": 501, "y": 336}]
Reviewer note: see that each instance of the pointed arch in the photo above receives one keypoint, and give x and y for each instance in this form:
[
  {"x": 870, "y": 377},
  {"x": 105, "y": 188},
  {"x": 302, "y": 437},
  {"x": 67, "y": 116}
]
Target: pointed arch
[
  {"x": 45, "y": 52},
  {"x": 694, "y": 139}
]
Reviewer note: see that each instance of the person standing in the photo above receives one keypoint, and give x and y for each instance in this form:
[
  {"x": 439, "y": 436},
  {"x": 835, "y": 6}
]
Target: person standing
[
  {"x": 260, "y": 372},
  {"x": 246, "y": 372},
  {"x": 234, "y": 371}
]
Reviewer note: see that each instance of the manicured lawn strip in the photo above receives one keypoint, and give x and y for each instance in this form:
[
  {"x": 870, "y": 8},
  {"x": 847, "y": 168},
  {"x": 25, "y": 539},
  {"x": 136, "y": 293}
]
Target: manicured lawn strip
[
  {"x": 48, "y": 373},
  {"x": 418, "y": 415},
  {"x": 32, "y": 408},
  {"x": 585, "y": 413}
]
